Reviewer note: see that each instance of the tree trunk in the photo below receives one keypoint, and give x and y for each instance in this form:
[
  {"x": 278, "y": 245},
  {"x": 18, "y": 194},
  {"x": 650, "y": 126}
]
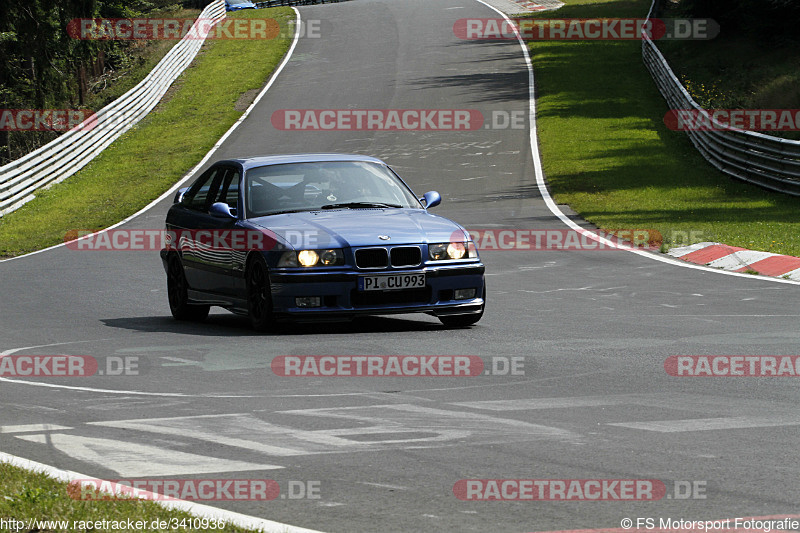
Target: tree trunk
[{"x": 83, "y": 87}]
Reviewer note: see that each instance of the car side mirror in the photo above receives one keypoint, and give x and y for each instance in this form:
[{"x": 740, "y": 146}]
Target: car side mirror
[
  {"x": 179, "y": 195},
  {"x": 221, "y": 210},
  {"x": 431, "y": 199}
]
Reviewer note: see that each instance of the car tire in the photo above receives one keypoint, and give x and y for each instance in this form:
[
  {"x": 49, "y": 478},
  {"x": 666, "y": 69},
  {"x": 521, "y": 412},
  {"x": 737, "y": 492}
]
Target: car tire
[
  {"x": 259, "y": 295},
  {"x": 462, "y": 321},
  {"x": 178, "y": 294}
]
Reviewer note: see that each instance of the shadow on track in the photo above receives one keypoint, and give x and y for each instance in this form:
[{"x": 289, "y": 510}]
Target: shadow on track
[{"x": 229, "y": 325}]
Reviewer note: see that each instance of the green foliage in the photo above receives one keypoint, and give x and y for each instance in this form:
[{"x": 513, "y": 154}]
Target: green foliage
[{"x": 773, "y": 20}]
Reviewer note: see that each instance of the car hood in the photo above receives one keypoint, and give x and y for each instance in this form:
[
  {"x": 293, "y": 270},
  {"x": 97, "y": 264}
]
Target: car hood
[{"x": 343, "y": 228}]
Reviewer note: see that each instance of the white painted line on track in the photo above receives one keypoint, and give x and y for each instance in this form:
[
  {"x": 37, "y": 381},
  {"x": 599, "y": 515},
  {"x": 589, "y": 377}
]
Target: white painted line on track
[
  {"x": 718, "y": 407},
  {"x": 225, "y": 430},
  {"x": 553, "y": 207},
  {"x": 712, "y": 424},
  {"x": 529, "y": 404},
  {"x": 131, "y": 460},
  {"x": 208, "y": 155},
  {"x": 196, "y": 509},
  {"x": 28, "y": 428}
]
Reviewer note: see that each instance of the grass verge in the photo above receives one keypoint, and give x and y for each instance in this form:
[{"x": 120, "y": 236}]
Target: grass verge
[
  {"x": 607, "y": 153},
  {"x": 151, "y": 157},
  {"x": 29, "y": 496}
]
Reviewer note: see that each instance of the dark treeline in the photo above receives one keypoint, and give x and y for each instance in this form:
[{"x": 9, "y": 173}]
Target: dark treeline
[
  {"x": 42, "y": 67},
  {"x": 773, "y": 21}
]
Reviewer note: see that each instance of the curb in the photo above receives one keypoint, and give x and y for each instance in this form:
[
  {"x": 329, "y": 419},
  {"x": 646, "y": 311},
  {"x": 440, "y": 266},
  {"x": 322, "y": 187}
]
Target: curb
[
  {"x": 525, "y": 6},
  {"x": 735, "y": 259}
]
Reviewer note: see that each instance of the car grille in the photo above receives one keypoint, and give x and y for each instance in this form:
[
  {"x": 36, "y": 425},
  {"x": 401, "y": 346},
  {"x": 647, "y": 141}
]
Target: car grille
[
  {"x": 406, "y": 256},
  {"x": 372, "y": 258},
  {"x": 401, "y": 256},
  {"x": 378, "y": 298}
]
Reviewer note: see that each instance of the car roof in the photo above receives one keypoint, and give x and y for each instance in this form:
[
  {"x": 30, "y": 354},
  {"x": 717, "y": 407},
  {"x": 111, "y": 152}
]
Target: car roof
[{"x": 259, "y": 161}]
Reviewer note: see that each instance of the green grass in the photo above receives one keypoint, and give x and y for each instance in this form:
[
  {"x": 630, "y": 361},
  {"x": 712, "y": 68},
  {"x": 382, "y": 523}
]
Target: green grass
[
  {"x": 151, "y": 157},
  {"x": 27, "y": 495},
  {"x": 608, "y": 154}
]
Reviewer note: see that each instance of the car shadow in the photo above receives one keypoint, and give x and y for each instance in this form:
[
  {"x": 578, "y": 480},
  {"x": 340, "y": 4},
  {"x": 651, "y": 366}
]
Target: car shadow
[{"x": 229, "y": 325}]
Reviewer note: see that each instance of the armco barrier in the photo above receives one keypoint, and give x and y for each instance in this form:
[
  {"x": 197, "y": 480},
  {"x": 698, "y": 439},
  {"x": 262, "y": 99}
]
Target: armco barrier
[
  {"x": 764, "y": 160},
  {"x": 71, "y": 151}
]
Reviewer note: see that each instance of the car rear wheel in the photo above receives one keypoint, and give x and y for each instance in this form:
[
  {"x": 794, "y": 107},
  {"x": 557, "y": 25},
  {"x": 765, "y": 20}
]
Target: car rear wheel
[
  {"x": 259, "y": 295},
  {"x": 178, "y": 294},
  {"x": 462, "y": 321}
]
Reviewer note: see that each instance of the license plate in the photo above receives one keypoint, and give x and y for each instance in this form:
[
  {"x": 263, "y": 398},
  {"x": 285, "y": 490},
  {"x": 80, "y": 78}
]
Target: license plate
[{"x": 388, "y": 282}]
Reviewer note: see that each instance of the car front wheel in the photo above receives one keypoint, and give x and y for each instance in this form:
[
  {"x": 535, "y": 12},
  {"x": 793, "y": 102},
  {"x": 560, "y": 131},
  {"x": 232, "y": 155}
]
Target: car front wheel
[
  {"x": 177, "y": 292},
  {"x": 259, "y": 296}
]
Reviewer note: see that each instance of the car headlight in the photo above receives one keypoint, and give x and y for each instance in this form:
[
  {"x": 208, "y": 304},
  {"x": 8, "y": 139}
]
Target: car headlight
[
  {"x": 310, "y": 258},
  {"x": 452, "y": 250},
  {"x": 456, "y": 250},
  {"x": 331, "y": 257},
  {"x": 307, "y": 258}
]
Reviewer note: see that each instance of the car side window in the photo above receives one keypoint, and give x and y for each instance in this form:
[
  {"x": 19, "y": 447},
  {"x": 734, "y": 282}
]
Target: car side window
[
  {"x": 203, "y": 192},
  {"x": 229, "y": 192}
]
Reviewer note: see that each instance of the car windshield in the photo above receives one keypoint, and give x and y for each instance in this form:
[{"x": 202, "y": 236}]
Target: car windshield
[{"x": 273, "y": 189}]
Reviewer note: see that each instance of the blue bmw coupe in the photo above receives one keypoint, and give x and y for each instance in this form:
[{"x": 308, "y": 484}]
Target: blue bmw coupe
[{"x": 316, "y": 236}]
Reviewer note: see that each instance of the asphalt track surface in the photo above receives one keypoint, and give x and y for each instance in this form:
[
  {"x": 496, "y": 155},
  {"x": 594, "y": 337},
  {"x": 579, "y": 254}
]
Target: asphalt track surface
[{"x": 594, "y": 329}]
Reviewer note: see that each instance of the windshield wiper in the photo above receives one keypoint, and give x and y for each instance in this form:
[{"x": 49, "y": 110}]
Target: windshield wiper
[
  {"x": 283, "y": 212},
  {"x": 357, "y": 205}
]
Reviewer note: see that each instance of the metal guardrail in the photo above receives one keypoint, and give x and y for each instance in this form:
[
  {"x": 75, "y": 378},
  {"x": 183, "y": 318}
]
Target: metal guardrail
[
  {"x": 764, "y": 160},
  {"x": 66, "y": 155}
]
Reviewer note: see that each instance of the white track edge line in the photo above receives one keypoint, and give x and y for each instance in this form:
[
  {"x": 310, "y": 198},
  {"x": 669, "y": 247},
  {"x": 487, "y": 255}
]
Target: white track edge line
[
  {"x": 197, "y": 509},
  {"x": 193, "y": 171},
  {"x": 542, "y": 185}
]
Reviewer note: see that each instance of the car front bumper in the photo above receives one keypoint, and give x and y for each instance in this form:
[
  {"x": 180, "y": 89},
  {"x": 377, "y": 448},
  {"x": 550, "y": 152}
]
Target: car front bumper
[{"x": 339, "y": 294}]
